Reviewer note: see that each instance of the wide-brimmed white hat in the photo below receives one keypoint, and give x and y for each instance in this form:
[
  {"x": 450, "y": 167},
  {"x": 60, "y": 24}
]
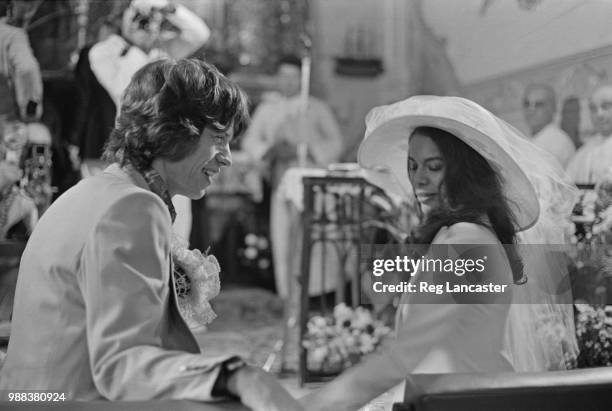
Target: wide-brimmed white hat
[{"x": 384, "y": 151}]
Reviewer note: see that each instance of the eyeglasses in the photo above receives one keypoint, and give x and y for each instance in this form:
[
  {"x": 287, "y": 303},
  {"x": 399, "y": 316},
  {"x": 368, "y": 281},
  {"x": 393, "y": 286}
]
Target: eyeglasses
[{"x": 534, "y": 104}]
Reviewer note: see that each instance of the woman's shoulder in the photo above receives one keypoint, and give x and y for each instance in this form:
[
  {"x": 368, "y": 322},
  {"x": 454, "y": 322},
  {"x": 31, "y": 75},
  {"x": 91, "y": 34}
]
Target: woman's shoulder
[
  {"x": 471, "y": 241},
  {"x": 465, "y": 233}
]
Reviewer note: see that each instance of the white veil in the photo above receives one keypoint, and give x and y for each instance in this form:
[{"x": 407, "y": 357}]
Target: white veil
[{"x": 540, "y": 334}]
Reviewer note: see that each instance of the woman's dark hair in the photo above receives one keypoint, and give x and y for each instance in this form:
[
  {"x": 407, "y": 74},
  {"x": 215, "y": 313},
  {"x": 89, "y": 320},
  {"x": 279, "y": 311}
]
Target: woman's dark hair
[
  {"x": 167, "y": 106},
  {"x": 473, "y": 188}
]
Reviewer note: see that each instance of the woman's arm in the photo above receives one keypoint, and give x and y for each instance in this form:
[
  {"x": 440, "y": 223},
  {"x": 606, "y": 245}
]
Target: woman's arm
[
  {"x": 358, "y": 385},
  {"x": 427, "y": 328},
  {"x": 113, "y": 61},
  {"x": 193, "y": 33},
  {"x": 427, "y": 333}
]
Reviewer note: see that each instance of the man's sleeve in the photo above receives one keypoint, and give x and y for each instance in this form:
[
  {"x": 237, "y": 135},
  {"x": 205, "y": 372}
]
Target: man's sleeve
[
  {"x": 26, "y": 72},
  {"x": 125, "y": 285},
  {"x": 194, "y": 33},
  {"x": 114, "y": 65}
]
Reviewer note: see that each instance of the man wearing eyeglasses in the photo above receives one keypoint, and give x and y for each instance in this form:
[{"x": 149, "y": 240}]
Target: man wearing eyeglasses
[
  {"x": 539, "y": 106},
  {"x": 595, "y": 157}
]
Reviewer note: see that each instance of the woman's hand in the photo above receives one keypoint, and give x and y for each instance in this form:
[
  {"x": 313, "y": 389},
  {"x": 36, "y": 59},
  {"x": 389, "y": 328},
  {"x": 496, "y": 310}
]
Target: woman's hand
[{"x": 261, "y": 391}]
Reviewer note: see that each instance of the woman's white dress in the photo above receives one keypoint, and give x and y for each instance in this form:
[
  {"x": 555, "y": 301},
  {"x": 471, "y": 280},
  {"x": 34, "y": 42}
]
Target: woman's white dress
[{"x": 443, "y": 336}]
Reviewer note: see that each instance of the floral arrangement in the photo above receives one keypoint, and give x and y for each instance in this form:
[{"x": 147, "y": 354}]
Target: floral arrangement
[
  {"x": 336, "y": 342},
  {"x": 591, "y": 271},
  {"x": 594, "y": 332},
  {"x": 593, "y": 213},
  {"x": 196, "y": 278},
  {"x": 256, "y": 252},
  {"x": 584, "y": 216},
  {"x": 591, "y": 266}
]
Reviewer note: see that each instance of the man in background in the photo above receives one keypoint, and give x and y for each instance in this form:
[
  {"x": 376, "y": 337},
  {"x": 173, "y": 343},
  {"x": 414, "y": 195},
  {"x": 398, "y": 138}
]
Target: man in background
[
  {"x": 592, "y": 160},
  {"x": 539, "y": 107},
  {"x": 279, "y": 126}
]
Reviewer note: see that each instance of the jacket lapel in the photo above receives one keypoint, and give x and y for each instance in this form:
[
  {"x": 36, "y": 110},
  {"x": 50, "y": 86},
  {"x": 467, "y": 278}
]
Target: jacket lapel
[{"x": 178, "y": 335}]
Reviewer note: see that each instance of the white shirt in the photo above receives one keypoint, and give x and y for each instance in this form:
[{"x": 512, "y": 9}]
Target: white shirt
[
  {"x": 114, "y": 67},
  {"x": 556, "y": 141},
  {"x": 591, "y": 160},
  {"x": 276, "y": 118}
]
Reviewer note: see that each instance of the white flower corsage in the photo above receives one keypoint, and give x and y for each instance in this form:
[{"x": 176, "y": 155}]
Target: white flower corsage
[{"x": 196, "y": 279}]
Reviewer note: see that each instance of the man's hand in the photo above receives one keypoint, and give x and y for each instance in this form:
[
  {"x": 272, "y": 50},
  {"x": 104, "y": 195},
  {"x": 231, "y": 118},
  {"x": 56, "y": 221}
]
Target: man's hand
[
  {"x": 260, "y": 391},
  {"x": 9, "y": 174}
]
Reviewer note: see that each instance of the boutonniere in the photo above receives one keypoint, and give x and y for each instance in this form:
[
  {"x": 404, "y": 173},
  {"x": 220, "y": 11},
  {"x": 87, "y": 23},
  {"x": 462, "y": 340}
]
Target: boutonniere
[{"x": 196, "y": 278}]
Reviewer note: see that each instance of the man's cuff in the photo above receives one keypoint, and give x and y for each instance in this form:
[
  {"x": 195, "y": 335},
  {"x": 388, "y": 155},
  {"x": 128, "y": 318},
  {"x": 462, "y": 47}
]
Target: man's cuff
[{"x": 228, "y": 367}]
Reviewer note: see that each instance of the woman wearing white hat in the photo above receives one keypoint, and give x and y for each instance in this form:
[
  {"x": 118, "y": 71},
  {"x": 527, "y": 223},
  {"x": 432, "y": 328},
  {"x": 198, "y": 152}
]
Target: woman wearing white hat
[{"x": 477, "y": 181}]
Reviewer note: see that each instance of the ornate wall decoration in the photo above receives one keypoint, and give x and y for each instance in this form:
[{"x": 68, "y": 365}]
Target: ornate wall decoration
[{"x": 258, "y": 32}]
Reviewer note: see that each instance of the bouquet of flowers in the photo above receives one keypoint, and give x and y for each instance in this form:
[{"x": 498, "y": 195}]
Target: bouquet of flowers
[
  {"x": 196, "y": 282},
  {"x": 336, "y": 342},
  {"x": 594, "y": 332},
  {"x": 584, "y": 217}
]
